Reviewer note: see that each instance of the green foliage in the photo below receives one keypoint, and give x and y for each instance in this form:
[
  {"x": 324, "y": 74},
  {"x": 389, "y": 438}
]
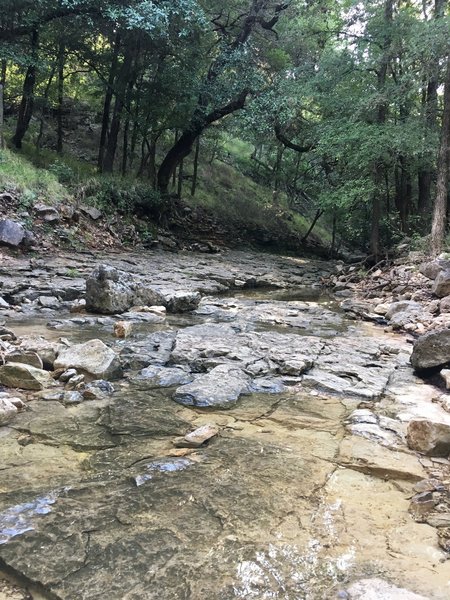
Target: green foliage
[
  {"x": 17, "y": 174},
  {"x": 115, "y": 195}
]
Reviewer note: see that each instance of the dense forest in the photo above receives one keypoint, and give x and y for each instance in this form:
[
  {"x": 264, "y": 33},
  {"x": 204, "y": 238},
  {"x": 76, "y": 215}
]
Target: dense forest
[{"x": 340, "y": 109}]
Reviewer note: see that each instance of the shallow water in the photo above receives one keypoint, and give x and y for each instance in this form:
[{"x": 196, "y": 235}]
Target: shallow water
[{"x": 94, "y": 504}]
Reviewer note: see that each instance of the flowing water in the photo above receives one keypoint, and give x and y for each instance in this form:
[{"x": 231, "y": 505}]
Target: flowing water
[{"x": 284, "y": 504}]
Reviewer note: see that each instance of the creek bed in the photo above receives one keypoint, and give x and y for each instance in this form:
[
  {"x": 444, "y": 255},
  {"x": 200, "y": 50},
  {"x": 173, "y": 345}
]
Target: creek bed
[{"x": 285, "y": 503}]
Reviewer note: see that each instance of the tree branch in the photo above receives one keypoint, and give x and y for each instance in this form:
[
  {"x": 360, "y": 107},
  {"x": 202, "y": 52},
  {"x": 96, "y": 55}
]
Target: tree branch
[{"x": 286, "y": 142}]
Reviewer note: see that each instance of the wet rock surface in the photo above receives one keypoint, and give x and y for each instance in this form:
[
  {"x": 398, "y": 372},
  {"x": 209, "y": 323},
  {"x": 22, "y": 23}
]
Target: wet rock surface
[{"x": 256, "y": 446}]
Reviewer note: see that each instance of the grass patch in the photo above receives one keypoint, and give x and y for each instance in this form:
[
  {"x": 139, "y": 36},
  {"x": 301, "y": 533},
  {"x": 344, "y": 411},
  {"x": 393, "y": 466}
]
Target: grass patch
[{"x": 19, "y": 175}]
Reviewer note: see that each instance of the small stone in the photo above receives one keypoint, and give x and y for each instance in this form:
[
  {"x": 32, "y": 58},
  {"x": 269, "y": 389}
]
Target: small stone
[
  {"x": 8, "y": 411},
  {"x": 444, "y": 538},
  {"x": 91, "y": 211},
  {"x": 157, "y": 310},
  {"x": 422, "y": 504},
  {"x": 47, "y": 213},
  {"x": 74, "y": 382},
  {"x": 428, "y": 485},
  {"x": 197, "y": 438},
  {"x": 98, "y": 389},
  {"x": 429, "y": 437},
  {"x": 444, "y": 305},
  {"x": 445, "y": 374},
  {"x": 122, "y": 329},
  {"x": 180, "y": 451},
  {"x": 48, "y": 301},
  {"x": 78, "y": 306},
  {"x": 72, "y": 397},
  {"x": 68, "y": 374},
  {"x": 6, "y": 334},
  {"x": 381, "y": 309}
]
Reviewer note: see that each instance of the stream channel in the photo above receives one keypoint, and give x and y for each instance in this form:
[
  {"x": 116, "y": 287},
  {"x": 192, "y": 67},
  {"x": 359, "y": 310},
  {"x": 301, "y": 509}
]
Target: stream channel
[{"x": 302, "y": 495}]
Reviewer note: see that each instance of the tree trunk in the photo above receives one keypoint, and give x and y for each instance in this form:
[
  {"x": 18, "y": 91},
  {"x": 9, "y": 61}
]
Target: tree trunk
[
  {"x": 440, "y": 204},
  {"x": 27, "y": 102},
  {"x": 119, "y": 103},
  {"x": 333, "y": 234},
  {"x": 403, "y": 192},
  {"x": 379, "y": 167},
  {"x": 319, "y": 213},
  {"x": 180, "y": 179},
  {"x": 107, "y": 103},
  {"x": 183, "y": 146},
  {"x": 203, "y": 115},
  {"x": 152, "y": 161},
  {"x": 4, "y": 65},
  {"x": 195, "y": 172},
  {"x": 426, "y": 173},
  {"x": 276, "y": 172},
  {"x": 61, "y": 61},
  {"x": 44, "y": 105},
  {"x": 2, "y": 139},
  {"x": 126, "y": 127}
]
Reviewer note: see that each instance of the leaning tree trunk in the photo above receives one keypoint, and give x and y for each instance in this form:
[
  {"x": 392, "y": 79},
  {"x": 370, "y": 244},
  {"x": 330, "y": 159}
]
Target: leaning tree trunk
[
  {"x": 27, "y": 102},
  {"x": 440, "y": 204},
  {"x": 195, "y": 171},
  {"x": 203, "y": 115}
]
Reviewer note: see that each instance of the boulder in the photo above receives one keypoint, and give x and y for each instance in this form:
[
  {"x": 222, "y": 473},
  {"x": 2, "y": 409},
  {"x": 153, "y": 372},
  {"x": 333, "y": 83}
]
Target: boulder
[
  {"x": 47, "y": 351},
  {"x": 111, "y": 291},
  {"x": 429, "y": 437},
  {"x": 401, "y": 313},
  {"x": 26, "y": 357},
  {"x": 431, "y": 350},
  {"x": 93, "y": 358},
  {"x": 221, "y": 387},
  {"x": 441, "y": 285},
  {"x": 432, "y": 268},
  {"x": 25, "y": 377},
  {"x": 11, "y": 233},
  {"x": 182, "y": 301}
]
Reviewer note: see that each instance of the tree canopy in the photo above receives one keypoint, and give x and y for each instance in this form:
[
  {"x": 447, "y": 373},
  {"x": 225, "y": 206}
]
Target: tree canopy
[{"x": 343, "y": 106}]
